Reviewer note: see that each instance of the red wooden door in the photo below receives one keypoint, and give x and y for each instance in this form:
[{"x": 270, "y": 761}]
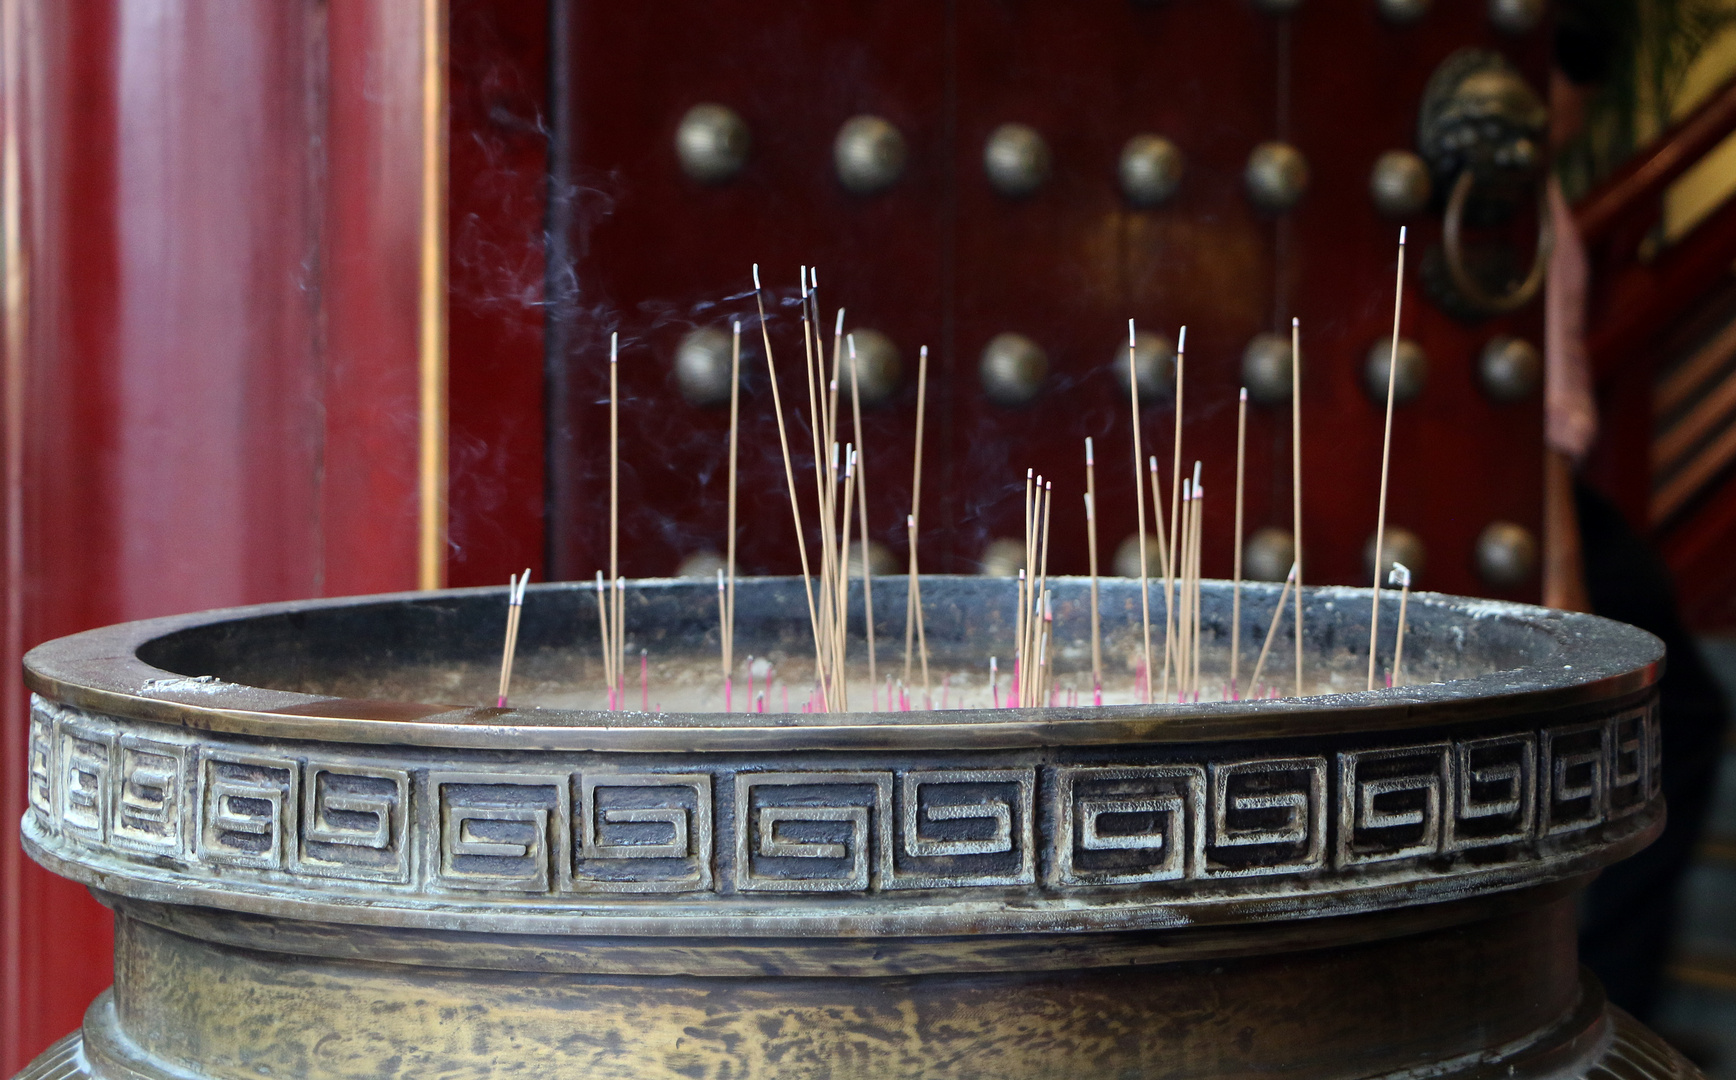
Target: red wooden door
[{"x": 943, "y": 258}]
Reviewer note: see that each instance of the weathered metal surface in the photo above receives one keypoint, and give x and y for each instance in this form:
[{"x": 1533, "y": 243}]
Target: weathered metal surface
[{"x": 321, "y": 870}]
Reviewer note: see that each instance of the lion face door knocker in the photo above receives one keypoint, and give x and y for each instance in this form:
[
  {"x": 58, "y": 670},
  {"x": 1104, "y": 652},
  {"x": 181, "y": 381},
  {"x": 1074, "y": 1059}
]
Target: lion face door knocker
[{"x": 1482, "y": 132}]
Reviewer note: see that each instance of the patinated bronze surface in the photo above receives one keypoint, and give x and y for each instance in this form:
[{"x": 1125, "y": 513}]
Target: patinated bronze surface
[{"x": 320, "y": 868}]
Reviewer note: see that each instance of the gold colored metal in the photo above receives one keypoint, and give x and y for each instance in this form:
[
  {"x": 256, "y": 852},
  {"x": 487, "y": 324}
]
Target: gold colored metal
[{"x": 431, "y": 326}]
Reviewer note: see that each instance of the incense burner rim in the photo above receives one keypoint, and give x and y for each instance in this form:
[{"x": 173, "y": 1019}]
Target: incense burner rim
[{"x": 101, "y": 670}]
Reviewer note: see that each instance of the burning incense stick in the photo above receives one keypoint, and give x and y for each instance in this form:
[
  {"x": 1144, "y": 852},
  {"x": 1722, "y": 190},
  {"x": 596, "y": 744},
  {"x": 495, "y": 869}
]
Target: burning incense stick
[
  {"x": 514, "y": 605},
  {"x": 1174, "y": 507},
  {"x": 1296, "y": 478},
  {"x": 1236, "y": 589},
  {"x": 789, "y": 468},
  {"x": 729, "y": 556},
  {"x": 1385, "y": 457},
  {"x": 1271, "y": 632},
  {"x": 1139, "y": 505},
  {"x": 1401, "y": 576},
  {"x": 862, "y": 499},
  {"x": 913, "y": 592},
  {"x": 1091, "y": 546}
]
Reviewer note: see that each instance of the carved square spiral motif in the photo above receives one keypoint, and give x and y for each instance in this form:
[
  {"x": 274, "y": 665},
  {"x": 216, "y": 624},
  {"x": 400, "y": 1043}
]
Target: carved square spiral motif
[
  {"x": 498, "y": 831},
  {"x": 1494, "y": 792},
  {"x": 643, "y": 832},
  {"x": 1123, "y": 826},
  {"x": 247, "y": 810},
  {"x": 1390, "y": 803},
  {"x": 812, "y": 832},
  {"x": 962, "y": 827},
  {"x": 1266, "y": 816},
  {"x": 354, "y": 822}
]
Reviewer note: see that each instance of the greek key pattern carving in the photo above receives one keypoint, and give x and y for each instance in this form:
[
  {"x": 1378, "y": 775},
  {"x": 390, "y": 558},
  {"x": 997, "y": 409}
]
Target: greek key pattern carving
[{"x": 471, "y": 826}]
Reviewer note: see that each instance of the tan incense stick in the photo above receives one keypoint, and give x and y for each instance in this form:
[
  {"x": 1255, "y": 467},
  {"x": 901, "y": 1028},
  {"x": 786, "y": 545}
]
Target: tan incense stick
[
  {"x": 822, "y": 478},
  {"x": 789, "y": 470},
  {"x": 1296, "y": 478},
  {"x": 1271, "y": 631},
  {"x": 723, "y": 638},
  {"x": 1236, "y": 589},
  {"x": 620, "y": 596},
  {"x": 729, "y": 557},
  {"x": 1163, "y": 552},
  {"x": 1174, "y": 501},
  {"x": 1091, "y": 547},
  {"x": 862, "y": 504},
  {"x": 912, "y": 601},
  {"x": 604, "y": 638},
  {"x": 1184, "y": 550},
  {"x": 1385, "y": 458},
  {"x": 1196, "y": 539},
  {"x": 514, "y": 605},
  {"x": 1139, "y": 506},
  {"x": 916, "y": 593},
  {"x": 1401, "y": 576},
  {"x": 616, "y": 688},
  {"x": 843, "y": 600}
]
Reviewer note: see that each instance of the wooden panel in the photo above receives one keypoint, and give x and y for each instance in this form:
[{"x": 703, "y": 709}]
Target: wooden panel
[
  {"x": 499, "y": 94},
  {"x": 661, "y": 254}
]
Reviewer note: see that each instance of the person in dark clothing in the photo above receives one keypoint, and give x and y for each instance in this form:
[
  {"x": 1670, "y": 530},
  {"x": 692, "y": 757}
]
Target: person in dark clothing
[{"x": 1628, "y": 916}]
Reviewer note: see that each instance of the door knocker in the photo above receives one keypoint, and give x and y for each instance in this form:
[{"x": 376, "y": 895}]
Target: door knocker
[{"x": 1481, "y": 131}]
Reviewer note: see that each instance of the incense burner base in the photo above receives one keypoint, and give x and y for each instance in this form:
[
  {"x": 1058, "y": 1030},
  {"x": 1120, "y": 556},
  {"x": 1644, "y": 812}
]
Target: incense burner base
[{"x": 1474, "y": 989}]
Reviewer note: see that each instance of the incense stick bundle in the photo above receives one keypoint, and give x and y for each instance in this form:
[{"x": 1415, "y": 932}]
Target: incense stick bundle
[
  {"x": 789, "y": 470},
  {"x": 514, "y": 605},
  {"x": 1139, "y": 506},
  {"x": 1271, "y": 632},
  {"x": 1091, "y": 547},
  {"x": 1236, "y": 589},
  {"x": 1385, "y": 457},
  {"x": 1296, "y": 478}
]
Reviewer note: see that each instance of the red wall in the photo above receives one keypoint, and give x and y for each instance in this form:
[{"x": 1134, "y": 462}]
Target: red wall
[{"x": 211, "y": 372}]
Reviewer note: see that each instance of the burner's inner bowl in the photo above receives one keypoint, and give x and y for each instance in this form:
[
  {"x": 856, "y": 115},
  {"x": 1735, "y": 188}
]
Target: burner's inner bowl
[{"x": 446, "y": 647}]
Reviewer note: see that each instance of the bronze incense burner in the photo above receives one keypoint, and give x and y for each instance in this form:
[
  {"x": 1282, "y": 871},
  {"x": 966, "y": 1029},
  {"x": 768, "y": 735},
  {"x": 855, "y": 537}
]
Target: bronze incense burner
[{"x": 318, "y": 870}]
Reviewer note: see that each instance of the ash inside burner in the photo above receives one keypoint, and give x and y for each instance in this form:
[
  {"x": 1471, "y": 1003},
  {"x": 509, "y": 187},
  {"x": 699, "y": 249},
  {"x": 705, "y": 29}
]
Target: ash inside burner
[{"x": 445, "y": 647}]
